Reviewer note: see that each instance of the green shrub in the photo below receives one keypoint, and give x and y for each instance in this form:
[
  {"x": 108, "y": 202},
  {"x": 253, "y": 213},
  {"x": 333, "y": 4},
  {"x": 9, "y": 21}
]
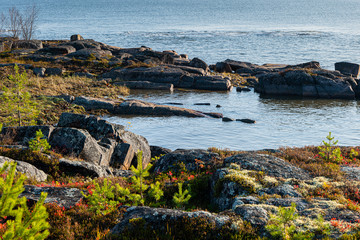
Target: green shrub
[
  {"x": 327, "y": 151},
  {"x": 182, "y": 197},
  {"x": 22, "y": 223},
  {"x": 39, "y": 144}
]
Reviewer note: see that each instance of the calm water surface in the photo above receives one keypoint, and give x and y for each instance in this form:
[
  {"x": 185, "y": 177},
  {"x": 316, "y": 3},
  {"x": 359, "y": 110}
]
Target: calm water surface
[
  {"x": 257, "y": 31},
  {"x": 279, "y": 122}
]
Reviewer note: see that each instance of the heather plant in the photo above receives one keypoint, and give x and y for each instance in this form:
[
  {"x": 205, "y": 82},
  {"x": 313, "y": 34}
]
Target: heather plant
[
  {"x": 17, "y": 106},
  {"x": 39, "y": 144},
  {"x": 18, "y": 222}
]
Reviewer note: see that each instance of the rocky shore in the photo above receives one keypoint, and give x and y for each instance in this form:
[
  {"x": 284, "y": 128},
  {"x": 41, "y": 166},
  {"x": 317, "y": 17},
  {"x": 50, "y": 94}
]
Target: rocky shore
[{"x": 231, "y": 194}]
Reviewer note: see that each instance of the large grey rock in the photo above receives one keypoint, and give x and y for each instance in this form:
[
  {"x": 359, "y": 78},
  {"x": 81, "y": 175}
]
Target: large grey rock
[
  {"x": 29, "y": 170},
  {"x": 268, "y": 164},
  {"x": 318, "y": 83},
  {"x": 81, "y": 144},
  {"x": 189, "y": 157},
  {"x": 348, "y": 68},
  {"x": 82, "y": 168},
  {"x": 106, "y": 133},
  {"x": 27, "y": 44},
  {"x": 256, "y": 215},
  {"x": 39, "y": 71},
  {"x": 161, "y": 219},
  {"x": 301, "y": 204},
  {"x": 282, "y": 190},
  {"x": 62, "y": 196},
  {"x": 157, "y": 151}
]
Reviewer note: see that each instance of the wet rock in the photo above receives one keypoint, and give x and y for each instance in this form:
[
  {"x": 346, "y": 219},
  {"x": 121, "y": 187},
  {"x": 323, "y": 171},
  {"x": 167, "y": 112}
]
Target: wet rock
[
  {"x": 62, "y": 196},
  {"x": 76, "y": 37},
  {"x": 223, "y": 67},
  {"x": 26, "y": 168},
  {"x": 214, "y": 115},
  {"x": 27, "y": 44},
  {"x": 40, "y": 72},
  {"x": 348, "y": 68},
  {"x": 243, "y": 89},
  {"x": 320, "y": 84},
  {"x": 202, "y": 104},
  {"x": 137, "y": 107},
  {"x": 227, "y": 119},
  {"x": 161, "y": 218},
  {"x": 146, "y": 85},
  {"x": 82, "y": 168},
  {"x": 174, "y": 103},
  {"x": 157, "y": 151},
  {"x": 246, "y": 120},
  {"x": 256, "y": 215},
  {"x": 192, "y": 158},
  {"x": 270, "y": 165},
  {"x": 198, "y": 63},
  {"x": 54, "y": 71},
  {"x": 284, "y": 190},
  {"x": 218, "y": 106}
]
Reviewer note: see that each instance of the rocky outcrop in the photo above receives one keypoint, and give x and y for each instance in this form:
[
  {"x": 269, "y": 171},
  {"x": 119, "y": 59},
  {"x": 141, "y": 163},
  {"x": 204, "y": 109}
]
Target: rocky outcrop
[
  {"x": 306, "y": 83},
  {"x": 161, "y": 219},
  {"x": 62, "y": 196},
  {"x": 192, "y": 159},
  {"x": 347, "y": 68},
  {"x": 90, "y": 138},
  {"x": 179, "y": 77},
  {"x": 146, "y": 85},
  {"x": 27, "y": 44},
  {"x": 157, "y": 151},
  {"x": 26, "y": 168}
]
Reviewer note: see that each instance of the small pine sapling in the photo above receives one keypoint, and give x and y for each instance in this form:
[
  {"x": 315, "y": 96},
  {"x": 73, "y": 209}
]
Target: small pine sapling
[
  {"x": 281, "y": 226},
  {"x": 182, "y": 197},
  {"x": 137, "y": 180},
  {"x": 101, "y": 199},
  {"x": 17, "y": 106},
  {"x": 39, "y": 144},
  {"x": 328, "y": 153},
  {"x": 155, "y": 192},
  {"x": 25, "y": 224}
]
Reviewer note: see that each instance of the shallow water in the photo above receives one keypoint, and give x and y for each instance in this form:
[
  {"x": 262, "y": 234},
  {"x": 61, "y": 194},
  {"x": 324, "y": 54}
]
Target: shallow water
[{"x": 279, "y": 122}]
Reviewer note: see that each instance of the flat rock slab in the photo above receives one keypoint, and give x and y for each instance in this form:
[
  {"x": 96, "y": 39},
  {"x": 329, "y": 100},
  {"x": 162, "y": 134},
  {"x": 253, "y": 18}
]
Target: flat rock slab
[
  {"x": 159, "y": 218},
  {"x": 270, "y": 165},
  {"x": 83, "y": 168},
  {"x": 64, "y": 197}
]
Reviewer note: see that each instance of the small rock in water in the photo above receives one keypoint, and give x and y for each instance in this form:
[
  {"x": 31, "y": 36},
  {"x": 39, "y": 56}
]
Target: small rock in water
[
  {"x": 218, "y": 106},
  {"x": 246, "y": 120},
  {"x": 173, "y": 103},
  {"x": 205, "y": 104},
  {"x": 243, "y": 89},
  {"x": 226, "y": 119}
]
